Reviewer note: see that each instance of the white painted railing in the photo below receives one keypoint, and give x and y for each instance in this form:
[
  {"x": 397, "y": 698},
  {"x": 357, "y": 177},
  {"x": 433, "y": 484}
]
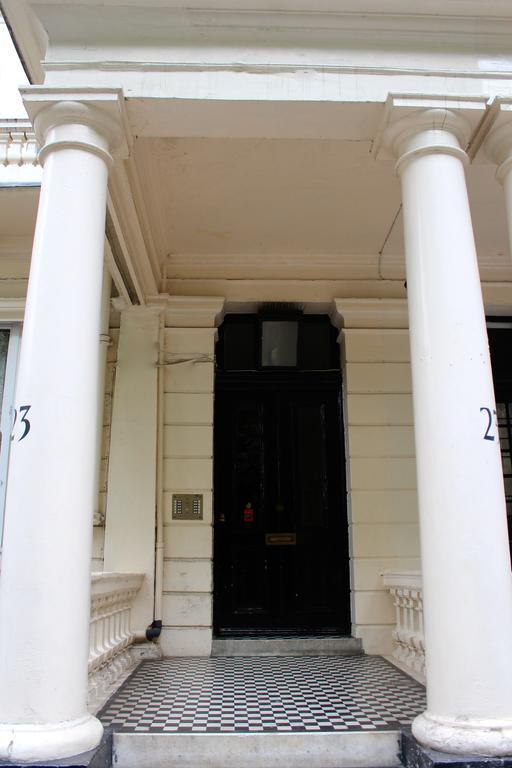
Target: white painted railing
[
  {"x": 111, "y": 633},
  {"x": 406, "y": 587},
  {"x": 18, "y": 144}
]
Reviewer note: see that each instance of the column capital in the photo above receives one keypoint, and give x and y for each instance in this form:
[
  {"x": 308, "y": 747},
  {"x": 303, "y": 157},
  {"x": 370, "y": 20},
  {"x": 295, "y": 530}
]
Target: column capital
[
  {"x": 190, "y": 311},
  {"x": 82, "y": 118},
  {"x": 414, "y": 125},
  {"x": 498, "y": 143},
  {"x": 429, "y": 131}
]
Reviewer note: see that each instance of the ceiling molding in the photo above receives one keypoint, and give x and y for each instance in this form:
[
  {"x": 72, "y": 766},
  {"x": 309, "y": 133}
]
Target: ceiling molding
[
  {"x": 117, "y": 277},
  {"x": 271, "y": 266},
  {"x": 304, "y": 266},
  {"x": 125, "y": 218},
  {"x": 498, "y": 294},
  {"x": 303, "y": 291},
  {"x": 121, "y": 255},
  {"x": 142, "y": 224},
  {"x": 12, "y": 310},
  {"x": 189, "y": 311},
  {"x": 16, "y": 246}
]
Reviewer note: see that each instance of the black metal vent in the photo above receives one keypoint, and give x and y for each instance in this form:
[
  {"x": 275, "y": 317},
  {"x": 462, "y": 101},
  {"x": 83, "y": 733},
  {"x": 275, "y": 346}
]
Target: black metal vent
[{"x": 280, "y": 308}]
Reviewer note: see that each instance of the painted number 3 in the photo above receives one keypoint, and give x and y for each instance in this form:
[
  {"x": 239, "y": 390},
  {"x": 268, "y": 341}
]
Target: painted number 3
[
  {"x": 491, "y": 424},
  {"x": 23, "y": 411}
]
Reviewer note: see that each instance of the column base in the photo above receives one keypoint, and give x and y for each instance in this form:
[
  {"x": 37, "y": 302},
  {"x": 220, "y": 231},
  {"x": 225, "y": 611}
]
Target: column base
[
  {"x": 490, "y": 738},
  {"x": 413, "y": 755},
  {"x": 29, "y": 743}
]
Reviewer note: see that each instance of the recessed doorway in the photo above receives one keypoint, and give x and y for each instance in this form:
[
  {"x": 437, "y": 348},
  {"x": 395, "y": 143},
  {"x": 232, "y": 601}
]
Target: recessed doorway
[{"x": 280, "y": 522}]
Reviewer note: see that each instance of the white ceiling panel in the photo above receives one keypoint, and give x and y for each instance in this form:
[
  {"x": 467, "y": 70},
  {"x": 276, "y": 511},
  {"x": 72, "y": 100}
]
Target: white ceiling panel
[{"x": 266, "y": 196}]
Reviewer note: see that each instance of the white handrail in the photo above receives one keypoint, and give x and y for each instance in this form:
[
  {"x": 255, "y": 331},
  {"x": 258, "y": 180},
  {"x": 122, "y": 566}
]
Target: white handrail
[
  {"x": 406, "y": 588},
  {"x": 110, "y": 634}
]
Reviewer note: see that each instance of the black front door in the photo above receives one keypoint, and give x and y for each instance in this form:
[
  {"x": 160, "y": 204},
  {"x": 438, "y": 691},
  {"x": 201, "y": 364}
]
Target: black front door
[{"x": 281, "y": 559}]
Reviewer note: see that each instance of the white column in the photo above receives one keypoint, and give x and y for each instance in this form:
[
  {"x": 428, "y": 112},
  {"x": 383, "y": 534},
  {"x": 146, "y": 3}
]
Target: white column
[
  {"x": 466, "y": 564},
  {"x": 45, "y": 584}
]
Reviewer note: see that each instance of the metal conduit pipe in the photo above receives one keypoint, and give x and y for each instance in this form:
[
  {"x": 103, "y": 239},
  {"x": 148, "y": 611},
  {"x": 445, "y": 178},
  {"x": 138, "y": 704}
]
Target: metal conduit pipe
[
  {"x": 105, "y": 342},
  {"x": 154, "y": 630}
]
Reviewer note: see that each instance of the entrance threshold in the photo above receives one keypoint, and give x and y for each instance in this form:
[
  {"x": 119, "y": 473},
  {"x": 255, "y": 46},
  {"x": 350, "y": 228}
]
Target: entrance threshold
[
  {"x": 323, "y": 645},
  {"x": 324, "y": 712}
]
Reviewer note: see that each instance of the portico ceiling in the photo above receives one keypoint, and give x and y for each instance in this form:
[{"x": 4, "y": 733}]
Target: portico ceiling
[
  {"x": 270, "y": 209},
  {"x": 242, "y": 207}
]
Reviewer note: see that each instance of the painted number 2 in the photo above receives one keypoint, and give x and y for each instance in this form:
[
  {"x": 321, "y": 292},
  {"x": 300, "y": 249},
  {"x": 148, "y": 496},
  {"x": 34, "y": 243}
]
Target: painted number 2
[
  {"x": 23, "y": 410},
  {"x": 491, "y": 423}
]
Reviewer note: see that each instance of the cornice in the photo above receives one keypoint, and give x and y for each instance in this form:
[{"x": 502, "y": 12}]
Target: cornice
[
  {"x": 455, "y": 8},
  {"x": 384, "y": 17},
  {"x": 369, "y": 313},
  {"x": 283, "y": 68},
  {"x": 12, "y": 310},
  {"x": 189, "y": 311},
  {"x": 487, "y": 25}
]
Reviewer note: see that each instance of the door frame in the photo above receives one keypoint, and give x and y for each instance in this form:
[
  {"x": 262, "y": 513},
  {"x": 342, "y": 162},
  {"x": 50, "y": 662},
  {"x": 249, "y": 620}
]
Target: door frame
[{"x": 265, "y": 378}]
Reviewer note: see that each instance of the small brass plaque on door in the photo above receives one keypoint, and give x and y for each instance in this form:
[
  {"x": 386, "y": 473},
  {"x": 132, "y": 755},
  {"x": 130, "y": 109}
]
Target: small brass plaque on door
[
  {"x": 280, "y": 539},
  {"x": 187, "y": 506}
]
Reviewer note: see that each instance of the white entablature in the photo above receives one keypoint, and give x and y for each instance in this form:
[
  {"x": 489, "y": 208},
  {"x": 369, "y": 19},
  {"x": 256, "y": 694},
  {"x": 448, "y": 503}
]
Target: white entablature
[{"x": 332, "y": 52}]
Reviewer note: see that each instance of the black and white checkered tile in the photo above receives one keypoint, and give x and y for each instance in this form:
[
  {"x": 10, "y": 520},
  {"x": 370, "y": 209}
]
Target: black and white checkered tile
[{"x": 264, "y": 694}]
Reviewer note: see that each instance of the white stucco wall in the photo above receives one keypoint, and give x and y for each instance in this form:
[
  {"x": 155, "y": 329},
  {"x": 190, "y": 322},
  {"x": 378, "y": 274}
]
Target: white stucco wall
[
  {"x": 188, "y": 468},
  {"x": 383, "y": 517}
]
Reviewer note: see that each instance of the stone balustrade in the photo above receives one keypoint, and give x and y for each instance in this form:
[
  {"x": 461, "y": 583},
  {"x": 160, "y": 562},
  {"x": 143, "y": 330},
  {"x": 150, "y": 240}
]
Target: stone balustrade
[
  {"x": 18, "y": 144},
  {"x": 111, "y": 633},
  {"x": 406, "y": 588}
]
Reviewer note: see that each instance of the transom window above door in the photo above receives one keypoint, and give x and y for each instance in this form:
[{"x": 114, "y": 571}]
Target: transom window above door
[{"x": 270, "y": 340}]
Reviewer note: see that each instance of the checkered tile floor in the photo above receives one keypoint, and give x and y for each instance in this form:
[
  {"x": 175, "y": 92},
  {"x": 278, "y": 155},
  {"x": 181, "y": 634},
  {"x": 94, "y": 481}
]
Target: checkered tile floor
[{"x": 264, "y": 694}]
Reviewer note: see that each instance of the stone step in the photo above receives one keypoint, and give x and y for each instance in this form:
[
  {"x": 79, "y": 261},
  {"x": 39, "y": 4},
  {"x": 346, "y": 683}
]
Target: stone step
[
  {"x": 286, "y": 646},
  {"x": 257, "y": 750}
]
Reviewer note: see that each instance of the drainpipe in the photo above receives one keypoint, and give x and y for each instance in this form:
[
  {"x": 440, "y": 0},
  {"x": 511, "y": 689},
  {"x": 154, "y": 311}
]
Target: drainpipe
[{"x": 153, "y": 631}]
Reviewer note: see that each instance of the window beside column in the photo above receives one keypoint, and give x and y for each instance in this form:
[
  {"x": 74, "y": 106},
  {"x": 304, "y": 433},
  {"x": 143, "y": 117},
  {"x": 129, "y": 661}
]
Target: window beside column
[
  {"x": 504, "y": 412},
  {"x": 9, "y": 346},
  {"x": 500, "y": 344}
]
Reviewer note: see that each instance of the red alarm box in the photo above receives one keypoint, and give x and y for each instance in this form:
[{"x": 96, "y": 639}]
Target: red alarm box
[{"x": 248, "y": 514}]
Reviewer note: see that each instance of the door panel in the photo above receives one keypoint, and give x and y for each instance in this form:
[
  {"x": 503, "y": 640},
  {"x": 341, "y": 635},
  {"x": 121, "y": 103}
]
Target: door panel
[{"x": 281, "y": 555}]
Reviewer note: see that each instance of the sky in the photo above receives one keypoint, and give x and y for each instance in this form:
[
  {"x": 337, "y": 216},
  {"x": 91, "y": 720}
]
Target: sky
[{"x": 12, "y": 77}]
